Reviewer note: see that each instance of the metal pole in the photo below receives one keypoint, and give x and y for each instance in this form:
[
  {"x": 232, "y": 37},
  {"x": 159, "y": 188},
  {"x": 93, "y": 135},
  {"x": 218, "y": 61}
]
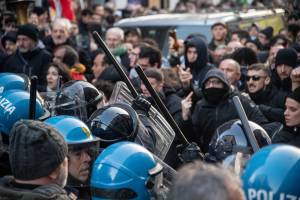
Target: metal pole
[{"x": 243, "y": 117}]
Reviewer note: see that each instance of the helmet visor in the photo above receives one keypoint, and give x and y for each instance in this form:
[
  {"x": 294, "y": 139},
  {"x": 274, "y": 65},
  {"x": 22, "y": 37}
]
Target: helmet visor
[{"x": 71, "y": 102}]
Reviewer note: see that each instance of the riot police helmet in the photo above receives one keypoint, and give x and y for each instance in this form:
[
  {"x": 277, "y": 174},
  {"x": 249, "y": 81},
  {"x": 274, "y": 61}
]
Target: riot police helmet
[
  {"x": 230, "y": 138},
  {"x": 114, "y": 122},
  {"x": 77, "y": 98},
  {"x": 273, "y": 173},
  {"x": 116, "y": 174}
]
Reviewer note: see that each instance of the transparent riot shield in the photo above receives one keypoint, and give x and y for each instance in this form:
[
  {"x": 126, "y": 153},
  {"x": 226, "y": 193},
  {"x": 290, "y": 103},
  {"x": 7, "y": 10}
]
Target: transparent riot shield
[
  {"x": 161, "y": 177},
  {"x": 164, "y": 134}
]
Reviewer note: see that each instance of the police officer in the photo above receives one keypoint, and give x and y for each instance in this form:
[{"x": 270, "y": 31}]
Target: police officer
[
  {"x": 38, "y": 158},
  {"x": 116, "y": 174},
  {"x": 83, "y": 148},
  {"x": 279, "y": 165}
]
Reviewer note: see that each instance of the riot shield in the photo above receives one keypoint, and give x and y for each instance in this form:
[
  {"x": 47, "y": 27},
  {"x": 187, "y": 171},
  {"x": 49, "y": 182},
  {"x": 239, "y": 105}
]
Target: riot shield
[
  {"x": 163, "y": 181},
  {"x": 164, "y": 134}
]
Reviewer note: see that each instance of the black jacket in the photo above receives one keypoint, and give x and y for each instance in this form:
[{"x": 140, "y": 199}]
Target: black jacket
[
  {"x": 36, "y": 61},
  {"x": 288, "y": 135},
  {"x": 271, "y": 102},
  {"x": 50, "y": 46},
  {"x": 172, "y": 102},
  {"x": 282, "y": 85},
  {"x": 11, "y": 190},
  {"x": 207, "y": 117},
  {"x": 200, "y": 67}
]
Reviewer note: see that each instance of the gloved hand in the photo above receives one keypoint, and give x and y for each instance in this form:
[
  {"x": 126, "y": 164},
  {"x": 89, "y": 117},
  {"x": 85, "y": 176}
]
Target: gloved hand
[
  {"x": 140, "y": 104},
  {"x": 189, "y": 152}
]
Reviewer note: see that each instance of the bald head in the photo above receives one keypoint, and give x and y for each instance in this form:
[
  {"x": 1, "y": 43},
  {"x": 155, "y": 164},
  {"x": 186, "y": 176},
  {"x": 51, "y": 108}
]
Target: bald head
[{"x": 231, "y": 69}]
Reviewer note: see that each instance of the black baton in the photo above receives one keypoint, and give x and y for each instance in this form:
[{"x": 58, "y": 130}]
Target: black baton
[
  {"x": 32, "y": 100},
  {"x": 160, "y": 104}
]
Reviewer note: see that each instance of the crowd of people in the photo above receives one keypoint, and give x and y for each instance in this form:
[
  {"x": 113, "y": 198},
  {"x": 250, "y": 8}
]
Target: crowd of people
[{"x": 83, "y": 144}]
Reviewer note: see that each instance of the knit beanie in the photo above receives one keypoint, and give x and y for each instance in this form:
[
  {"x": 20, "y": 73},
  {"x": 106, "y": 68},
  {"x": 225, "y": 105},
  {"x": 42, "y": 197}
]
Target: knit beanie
[
  {"x": 29, "y": 30},
  {"x": 295, "y": 95},
  {"x": 268, "y": 32},
  {"x": 35, "y": 150},
  {"x": 9, "y": 36},
  {"x": 287, "y": 56}
]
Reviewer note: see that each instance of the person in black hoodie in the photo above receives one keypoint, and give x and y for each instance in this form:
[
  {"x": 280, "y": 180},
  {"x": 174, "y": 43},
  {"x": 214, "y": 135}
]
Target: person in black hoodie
[
  {"x": 29, "y": 58},
  {"x": 290, "y": 134},
  {"x": 196, "y": 64},
  {"x": 264, "y": 94},
  {"x": 285, "y": 62},
  {"x": 217, "y": 107}
]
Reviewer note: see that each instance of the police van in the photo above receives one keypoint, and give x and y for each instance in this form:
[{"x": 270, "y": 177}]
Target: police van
[{"x": 158, "y": 26}]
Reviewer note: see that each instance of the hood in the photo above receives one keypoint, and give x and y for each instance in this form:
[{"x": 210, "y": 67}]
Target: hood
[
  {"x": 218, "y": 74},
  {"x": 202, "y": 51}
]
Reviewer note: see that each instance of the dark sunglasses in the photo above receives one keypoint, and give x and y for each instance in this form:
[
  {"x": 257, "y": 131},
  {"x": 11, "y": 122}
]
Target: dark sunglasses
[{"x": 254, "y": 78}]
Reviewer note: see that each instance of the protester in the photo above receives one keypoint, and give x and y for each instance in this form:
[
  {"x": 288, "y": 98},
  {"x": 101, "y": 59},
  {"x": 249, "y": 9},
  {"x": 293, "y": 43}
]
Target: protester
[
  {"x": 290, "y": 132},
  {"x": 219, "y": 36},
  {"x": 38, "y": 158},
  {"x": 100, "y": 64},
  {"x": 57, "y": 74},
  {"x": 61, "y": 28},
  {"x": 217, "y": 107},
  {"x": 206, "y": 181},
  {"x": 196, "y": 64},
  {"x": 29, "y": 58},
  {"x": 8, "y": 42},
  {"x": 232, "y": 70},
  {"x": 264, "y": 94},
  {"x": 285, "y": 62}
]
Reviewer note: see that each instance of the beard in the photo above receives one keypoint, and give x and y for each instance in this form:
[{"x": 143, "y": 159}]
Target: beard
[
  {"x": 58, "y": 41},
  {"x": 23, "y": 50}
]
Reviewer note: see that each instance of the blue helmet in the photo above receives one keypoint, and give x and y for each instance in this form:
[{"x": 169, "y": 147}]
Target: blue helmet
[
  {"x": 14, "y": 105},
  {"x": 74, "y": 131},
  {"x": 10, "y": 81},
  {"x": 273, "y": 173},
  {"x": 124, "y": 170}
]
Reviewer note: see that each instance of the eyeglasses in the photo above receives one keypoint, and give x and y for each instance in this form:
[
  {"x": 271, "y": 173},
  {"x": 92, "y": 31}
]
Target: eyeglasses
[
  {"x": 213, "y": 82},
  {"x": 254, "y": 78}
]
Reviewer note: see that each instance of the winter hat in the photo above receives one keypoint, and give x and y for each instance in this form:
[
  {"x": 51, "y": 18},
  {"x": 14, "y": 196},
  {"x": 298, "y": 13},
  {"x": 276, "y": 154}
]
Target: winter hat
[
  {"x": 29, "y": 30},
  {"x": 295, "y": 95},
  {"x": 35, "y": 150},
  {"x": 255, "y": 42},
  {"x": 9, "y": 36},
  {"x": 217, "y": 73},
  {"x": 268, "y": 32},
  {"x": 287, "y": 56}
]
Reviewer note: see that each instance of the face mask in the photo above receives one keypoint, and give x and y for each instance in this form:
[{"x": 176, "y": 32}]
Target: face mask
[{"x": 215, "y": 95}]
